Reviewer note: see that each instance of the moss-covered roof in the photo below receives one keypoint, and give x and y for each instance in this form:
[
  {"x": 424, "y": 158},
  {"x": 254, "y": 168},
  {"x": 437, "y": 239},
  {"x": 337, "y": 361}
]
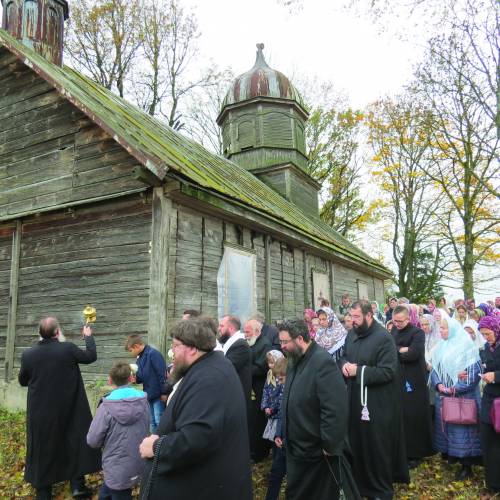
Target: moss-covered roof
[{"x": 160, "y": 149}]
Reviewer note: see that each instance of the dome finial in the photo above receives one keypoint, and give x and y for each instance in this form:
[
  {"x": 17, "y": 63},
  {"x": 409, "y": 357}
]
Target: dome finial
[{"x": 259, "y": 60}]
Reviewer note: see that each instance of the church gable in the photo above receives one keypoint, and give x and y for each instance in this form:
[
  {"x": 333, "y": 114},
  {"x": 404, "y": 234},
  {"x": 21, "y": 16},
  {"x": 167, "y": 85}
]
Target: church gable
[{"x": 51, "y": 154}]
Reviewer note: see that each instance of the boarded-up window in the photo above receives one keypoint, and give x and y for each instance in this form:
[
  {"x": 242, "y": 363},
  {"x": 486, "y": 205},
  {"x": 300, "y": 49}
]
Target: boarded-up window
[
  {"x": 278, "y": 130},
  {"x": 246, "y": 134},
  {"x": 236, "y": 283},
  {"x": 321, "y": 287},
  {"x": 362, "y": 290},
  {"x": 52, "y": 30},
  {"x": 30, "y": 19}
]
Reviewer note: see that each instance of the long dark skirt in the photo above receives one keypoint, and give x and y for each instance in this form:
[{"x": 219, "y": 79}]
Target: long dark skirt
[{"x": 490, "y": 442}]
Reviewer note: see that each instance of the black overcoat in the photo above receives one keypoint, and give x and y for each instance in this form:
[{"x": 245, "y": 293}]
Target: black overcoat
[
  {"x": 379, "y": 454},
  {"x": 203, "y": 451},
  {"x": 314, "y": 419},
  {"x": 240, "y": 356},
  {"x": 58, "y": 414},
  {"x": 415, "y": 393},
  {"x": 259, "y": 447}
]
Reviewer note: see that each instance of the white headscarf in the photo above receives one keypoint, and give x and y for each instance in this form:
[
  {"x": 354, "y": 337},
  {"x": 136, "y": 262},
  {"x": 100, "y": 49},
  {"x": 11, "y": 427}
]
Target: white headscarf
[
  {"x": 478, "y": 340},
  {"x": 432, "y": 338},
  {"x": 455, "y": 354}
]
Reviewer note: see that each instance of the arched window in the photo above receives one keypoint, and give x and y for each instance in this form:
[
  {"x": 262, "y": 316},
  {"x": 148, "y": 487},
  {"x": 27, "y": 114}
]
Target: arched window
[
  {"x": 53, "y": 28},
  {"x": 11, "y": 21},
  {"x": 246, "y": 134},
  {"x": 30, "y": 19}
]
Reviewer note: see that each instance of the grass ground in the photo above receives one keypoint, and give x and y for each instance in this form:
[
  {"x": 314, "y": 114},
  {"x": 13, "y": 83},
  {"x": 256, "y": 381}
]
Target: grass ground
[{"x": 432, "y": 480}]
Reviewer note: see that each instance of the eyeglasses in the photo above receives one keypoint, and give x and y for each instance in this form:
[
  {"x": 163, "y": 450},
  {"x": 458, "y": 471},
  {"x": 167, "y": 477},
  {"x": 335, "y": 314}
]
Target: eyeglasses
[{"x": 285, "y": 341}]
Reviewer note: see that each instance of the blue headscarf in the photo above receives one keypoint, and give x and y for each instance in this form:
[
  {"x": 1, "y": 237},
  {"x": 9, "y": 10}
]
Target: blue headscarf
[{"x": 454, "y": 354}]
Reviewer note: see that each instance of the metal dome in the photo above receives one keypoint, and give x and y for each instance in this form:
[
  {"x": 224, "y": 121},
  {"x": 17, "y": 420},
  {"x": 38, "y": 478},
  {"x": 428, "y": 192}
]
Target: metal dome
[{"x": 261, "y": 81}]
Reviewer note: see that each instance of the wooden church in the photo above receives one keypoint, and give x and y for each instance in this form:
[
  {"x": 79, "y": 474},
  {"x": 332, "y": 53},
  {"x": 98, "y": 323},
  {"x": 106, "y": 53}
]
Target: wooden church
[{"x": 102, "y": 204}]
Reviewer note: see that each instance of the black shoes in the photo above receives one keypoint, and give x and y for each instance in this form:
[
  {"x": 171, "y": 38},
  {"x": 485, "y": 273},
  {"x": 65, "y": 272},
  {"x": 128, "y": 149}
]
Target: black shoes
[
  {"x": 82, "y": 492},
  {"x": 464, "y": 473}
]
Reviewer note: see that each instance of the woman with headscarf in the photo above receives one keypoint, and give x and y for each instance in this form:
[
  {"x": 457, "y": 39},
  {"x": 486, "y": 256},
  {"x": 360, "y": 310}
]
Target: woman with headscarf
[
  {"x": 461, "y": 314},
  {"x": 477, "y": 314},
  {"x": 309, "y": 315},
  {"x": 413, "y": 315},
  {"x": 486, "y": 308},
  {"x": 489, "y": 327},
  {"x": 471, "y": 327},
  {"x": 455, "y": 372},
  {"x": 331, "y": 334},
  {"x": 440, "y": 314},
  {"x": 432, "y": 336},
  {"x": 377, "y": 315}
]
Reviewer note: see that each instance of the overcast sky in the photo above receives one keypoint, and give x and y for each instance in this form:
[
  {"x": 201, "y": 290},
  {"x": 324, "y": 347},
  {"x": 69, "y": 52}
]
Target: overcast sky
[{"x": 316, "y": 40}]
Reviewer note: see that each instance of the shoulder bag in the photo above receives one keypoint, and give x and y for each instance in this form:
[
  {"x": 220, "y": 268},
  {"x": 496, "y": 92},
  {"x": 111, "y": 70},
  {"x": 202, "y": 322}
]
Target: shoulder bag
[{"x": 459, "y": 411}]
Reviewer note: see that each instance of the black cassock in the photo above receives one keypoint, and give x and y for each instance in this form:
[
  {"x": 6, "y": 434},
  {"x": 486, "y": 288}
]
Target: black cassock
[
  {"x": 203, "y": 451},
  {"x": 379, "y": 455},
  {"x": 58, "y": 413},
  {"x": 415, "y": 394},
  {"x": 314, "y": 413}
]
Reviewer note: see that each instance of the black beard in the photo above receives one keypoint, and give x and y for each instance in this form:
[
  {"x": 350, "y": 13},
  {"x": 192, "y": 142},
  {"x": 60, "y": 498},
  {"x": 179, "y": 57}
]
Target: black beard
[
  {"x": 223, "y": 338},
  {"x": 178, "y": 372},
  {"x": 359, "y": 330},
  {"x": 294, "y": 356}
]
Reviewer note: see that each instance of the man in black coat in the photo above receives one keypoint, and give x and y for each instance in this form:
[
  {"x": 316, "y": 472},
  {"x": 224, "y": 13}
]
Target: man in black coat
[
  {"x": 410, "y": 342},
  {"x": 259, "y": 347},
  {"x": 201, "y": 450},
  {"x": 236, "y": 349},
  {"x": 375, "y": 429},
  {"x": 314, "y": 413},
  {"x": 58, "y": 413}
]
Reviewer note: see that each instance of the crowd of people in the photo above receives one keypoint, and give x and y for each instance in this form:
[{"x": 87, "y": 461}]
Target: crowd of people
[{"x": 347, "y": 401}]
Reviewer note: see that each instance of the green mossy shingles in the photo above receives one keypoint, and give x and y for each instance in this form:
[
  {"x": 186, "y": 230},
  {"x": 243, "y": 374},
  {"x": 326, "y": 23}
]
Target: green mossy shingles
[{"x": 148, "y": 138}]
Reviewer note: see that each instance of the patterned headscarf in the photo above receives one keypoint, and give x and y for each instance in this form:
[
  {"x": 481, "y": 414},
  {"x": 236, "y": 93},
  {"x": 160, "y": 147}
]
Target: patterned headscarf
[
  {"x": 413, "y": 315},
  {"x": 309, "y": 315},
  {"x": 454, "y": 354},
  {"x": 333, "y": 336},
  {"x": 493, "y": 324},
  {"x": 487, "y": 309}
]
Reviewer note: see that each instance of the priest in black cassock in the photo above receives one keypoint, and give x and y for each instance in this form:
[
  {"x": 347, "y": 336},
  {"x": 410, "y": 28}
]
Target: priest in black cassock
[
  {"x": 314, "y": 417},
  {"x": 375, "y": 421},
  {"x": 410, "y": 342},
  {"x": 58, "y": 414}
]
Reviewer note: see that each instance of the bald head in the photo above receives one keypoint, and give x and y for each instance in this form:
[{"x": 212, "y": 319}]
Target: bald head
[{"x": 48, "y": 327}]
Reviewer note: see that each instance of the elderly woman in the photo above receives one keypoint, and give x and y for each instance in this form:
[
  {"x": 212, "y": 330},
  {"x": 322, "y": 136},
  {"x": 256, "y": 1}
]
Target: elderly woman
[
  {"x": 471, "y": 327},
  {"x": 455, "y": 372},
  {"x": 432, "y": 337},
  {"x": 489, "y": 327}
]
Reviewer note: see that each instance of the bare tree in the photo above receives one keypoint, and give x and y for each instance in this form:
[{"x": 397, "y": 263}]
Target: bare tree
[
  {"x": 103, "y": 40},
  {"x": 465, "y": 165},
  {"x": 205, "y": 105},
  {"x": 400, "y": 140}
]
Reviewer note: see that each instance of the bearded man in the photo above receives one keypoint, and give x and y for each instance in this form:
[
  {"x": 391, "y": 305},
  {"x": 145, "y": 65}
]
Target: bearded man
[
  {"x": 370, "y": 366},
  {"x": 259, "y": 347},
  {"x": 201, "y": 447},
  {"x": 314, "y": 416}
]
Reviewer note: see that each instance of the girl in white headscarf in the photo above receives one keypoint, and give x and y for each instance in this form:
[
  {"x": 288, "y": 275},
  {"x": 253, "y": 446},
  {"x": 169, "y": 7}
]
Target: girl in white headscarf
[{"x": 470, "y": 326}]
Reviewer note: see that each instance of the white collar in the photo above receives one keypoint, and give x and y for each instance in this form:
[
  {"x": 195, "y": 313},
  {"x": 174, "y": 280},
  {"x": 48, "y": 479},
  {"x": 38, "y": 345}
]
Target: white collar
[{"x": 231, "y": 340}]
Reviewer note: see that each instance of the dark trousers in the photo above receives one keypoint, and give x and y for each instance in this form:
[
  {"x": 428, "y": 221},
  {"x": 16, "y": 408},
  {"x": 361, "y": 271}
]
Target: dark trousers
[
  {"x": 106, "y": 493},
  {"x": 45, "y": 492},
  {"x": 277, "y": 473}
]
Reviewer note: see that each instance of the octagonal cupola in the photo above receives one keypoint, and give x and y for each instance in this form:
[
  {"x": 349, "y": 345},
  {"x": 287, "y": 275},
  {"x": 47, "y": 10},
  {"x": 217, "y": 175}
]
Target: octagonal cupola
[
  {"x": 263, "y": 121},
  {"x": 38, "y": 24}
]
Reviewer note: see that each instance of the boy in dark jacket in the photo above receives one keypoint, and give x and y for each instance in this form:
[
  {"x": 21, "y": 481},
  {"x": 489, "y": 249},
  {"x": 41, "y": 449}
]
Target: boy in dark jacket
[
  {"x": 120, "y": 424},
  {"x": 151, "y": 374}
]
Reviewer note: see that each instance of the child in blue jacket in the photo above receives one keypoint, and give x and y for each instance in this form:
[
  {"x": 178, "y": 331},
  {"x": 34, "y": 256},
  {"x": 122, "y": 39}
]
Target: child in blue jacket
[
  {"x": 151, "y": 373},
  {"x": 120, "y": 424}
]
